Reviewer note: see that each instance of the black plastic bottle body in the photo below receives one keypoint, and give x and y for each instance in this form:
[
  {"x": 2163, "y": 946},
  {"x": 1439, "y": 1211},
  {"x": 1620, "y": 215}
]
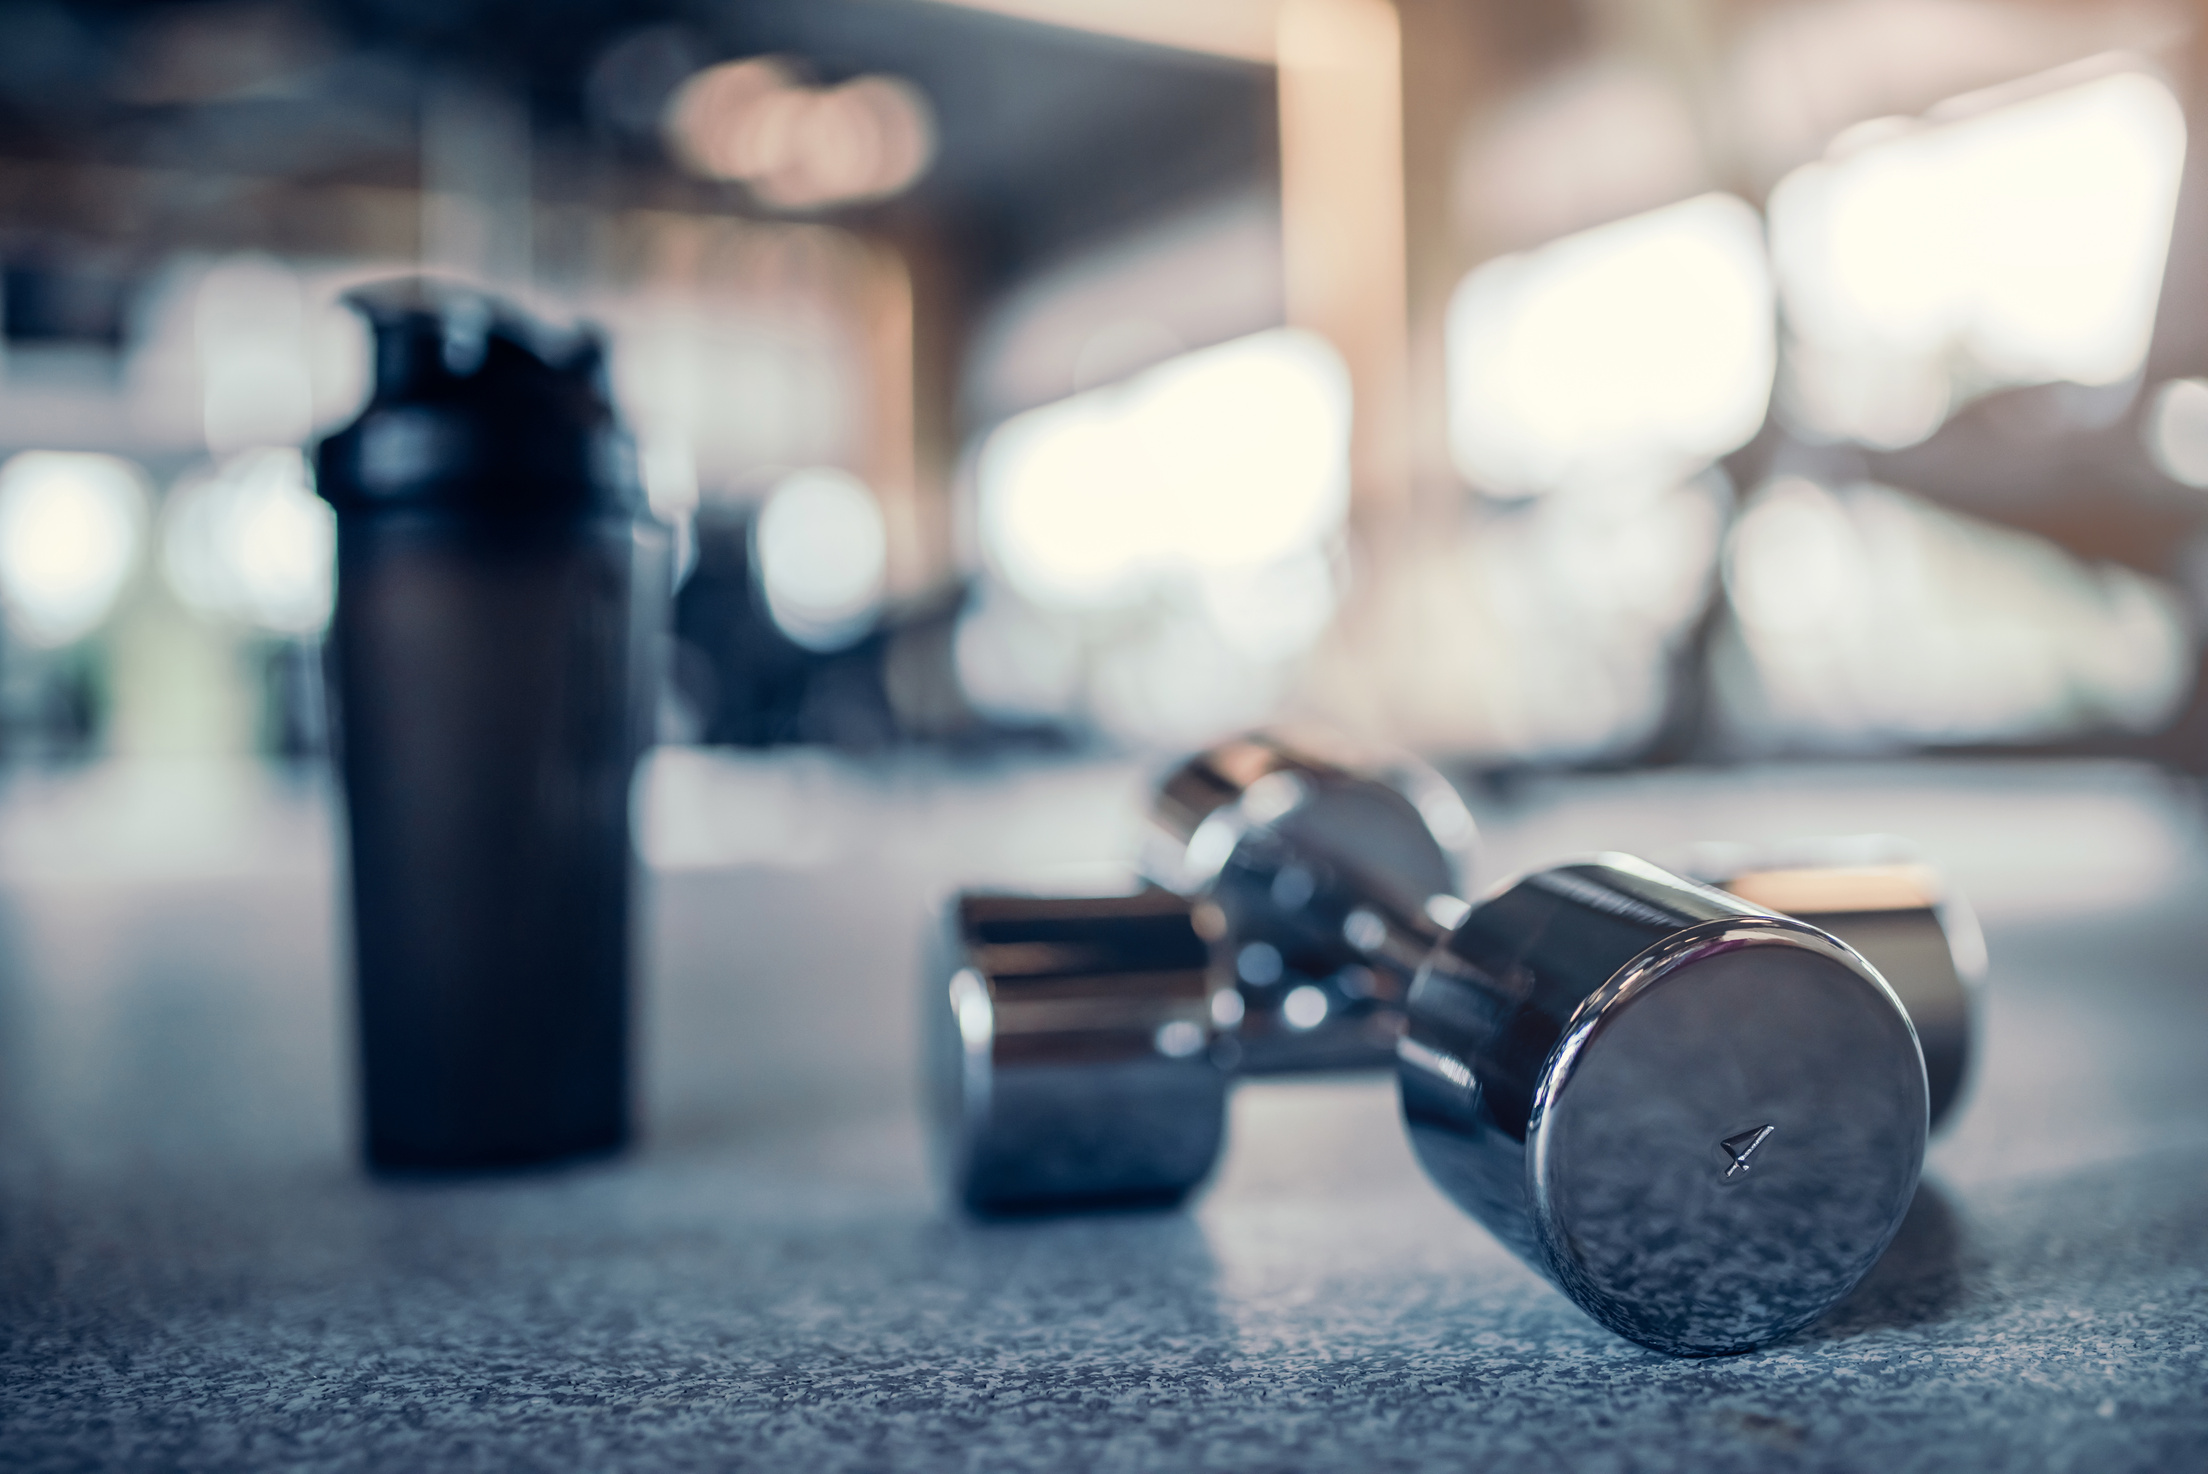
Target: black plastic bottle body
[{"x": 491, "y": 671}]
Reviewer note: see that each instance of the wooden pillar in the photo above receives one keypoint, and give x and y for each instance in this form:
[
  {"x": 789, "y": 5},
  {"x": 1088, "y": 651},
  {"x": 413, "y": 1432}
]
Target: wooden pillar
[
  {"x": 918, "y": 320},
  {"x": 1341, "y": 184}
]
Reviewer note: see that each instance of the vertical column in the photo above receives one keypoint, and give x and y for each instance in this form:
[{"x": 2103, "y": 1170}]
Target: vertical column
[
  {"x": 891, "y": 469},
  {"x": 917, "y": 339},
  {"x": 1460, "y": 60},
  {"x": 1341, "y": 167}
]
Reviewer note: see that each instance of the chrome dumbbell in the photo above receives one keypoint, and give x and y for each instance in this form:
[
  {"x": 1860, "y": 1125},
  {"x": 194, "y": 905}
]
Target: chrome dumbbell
[
  {"x": 1081, "y": 1047},
  {"x": 1294, "y": 849},
  {"x": 1701, "y": 1120},
  {"x": 1081, "y": 1060}
]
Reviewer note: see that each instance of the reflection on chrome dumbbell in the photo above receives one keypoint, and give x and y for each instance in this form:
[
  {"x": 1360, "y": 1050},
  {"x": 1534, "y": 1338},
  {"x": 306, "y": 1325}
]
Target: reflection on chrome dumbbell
[
  {"x": 1291, "y": 839},
  {"x": 1872, "y": 893},
  {"x": 1078, "y": 1050},
  {"x": 1701, "y": 1120}
]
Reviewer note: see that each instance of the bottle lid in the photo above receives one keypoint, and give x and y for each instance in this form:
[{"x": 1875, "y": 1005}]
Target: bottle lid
[{"x": 478, "y": 408}]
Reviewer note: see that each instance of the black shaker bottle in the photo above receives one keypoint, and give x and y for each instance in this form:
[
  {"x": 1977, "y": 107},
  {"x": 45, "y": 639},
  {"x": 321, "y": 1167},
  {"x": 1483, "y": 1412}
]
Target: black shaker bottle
[{"x": 501, "y": 588}]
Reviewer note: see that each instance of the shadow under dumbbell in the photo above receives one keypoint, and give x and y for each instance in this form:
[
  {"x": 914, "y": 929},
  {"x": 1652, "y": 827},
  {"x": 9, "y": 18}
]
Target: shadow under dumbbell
[
  {"x": 1098, "y": 1206},
  {"x": 1918, "y": 1280}
]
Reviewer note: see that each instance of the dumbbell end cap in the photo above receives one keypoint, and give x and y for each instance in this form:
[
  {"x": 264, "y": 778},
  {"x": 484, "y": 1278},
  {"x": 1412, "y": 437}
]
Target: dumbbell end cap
[
  {"x": 1726, "y": 1137},
  {"x": 1076, "y": 1058}
]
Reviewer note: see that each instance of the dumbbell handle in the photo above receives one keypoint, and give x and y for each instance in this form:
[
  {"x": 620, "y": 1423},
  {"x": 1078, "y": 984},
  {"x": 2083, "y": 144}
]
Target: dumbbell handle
[{"x": 1395, "y": 943}]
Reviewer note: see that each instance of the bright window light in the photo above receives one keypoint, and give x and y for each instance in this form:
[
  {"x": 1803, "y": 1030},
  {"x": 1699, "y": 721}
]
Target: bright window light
[
  {"x": 1017, "y": 663},
  {"x": 1639, "y": 349},
  {"x": 1866, "y": 615},
  {"x": 823, "y": 552},
  {"x": 1273, "y": 611},
  {"x": 251, "y": 541},
  {"x": 256, "y": 368},
  {"x": 1996, "y": 243},
  {"x": 1231, "y": 457},
  {"x": 2177, "y": 431},
  {"x": 69, "y": 527}
]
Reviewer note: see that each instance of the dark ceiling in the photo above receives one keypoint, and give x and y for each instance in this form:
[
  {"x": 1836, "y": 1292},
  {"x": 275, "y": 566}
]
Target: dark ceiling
[{"x": 1047, "y": 138}]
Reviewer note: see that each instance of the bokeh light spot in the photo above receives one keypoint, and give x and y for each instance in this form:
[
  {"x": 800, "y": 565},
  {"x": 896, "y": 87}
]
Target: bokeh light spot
[
  {"x": 69, "y": 531},
  {"x": 823, "y": 554}
]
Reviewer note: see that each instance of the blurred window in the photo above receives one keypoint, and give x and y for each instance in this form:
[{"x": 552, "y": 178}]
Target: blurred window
[
  {"x": 1640, "y": 349},
  {"x": 2009, "y": 238},
  {"x": 2176, "y": 431},
  {"x": 1160, "y": 551},
  {"x": 1864, "y": 616},
  {"x": 256, "y": 369},
  {"x": 1230, "y": 458}
]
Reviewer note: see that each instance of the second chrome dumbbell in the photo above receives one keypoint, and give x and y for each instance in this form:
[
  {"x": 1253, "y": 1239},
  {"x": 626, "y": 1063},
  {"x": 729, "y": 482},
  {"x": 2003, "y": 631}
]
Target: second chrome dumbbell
[{"x": 1081, "y": 1046}]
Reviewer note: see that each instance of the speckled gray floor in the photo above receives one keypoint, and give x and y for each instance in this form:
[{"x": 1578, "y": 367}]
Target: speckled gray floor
[{"x": 193, "y": 1275}]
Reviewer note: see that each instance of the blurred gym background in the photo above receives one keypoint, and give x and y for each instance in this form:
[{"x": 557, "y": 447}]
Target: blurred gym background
[{"x": 1615, "y": 383}]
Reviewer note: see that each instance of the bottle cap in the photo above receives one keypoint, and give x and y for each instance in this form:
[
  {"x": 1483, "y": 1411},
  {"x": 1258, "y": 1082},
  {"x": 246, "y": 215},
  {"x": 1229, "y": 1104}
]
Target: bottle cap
[{"x": 478, "y": 408}]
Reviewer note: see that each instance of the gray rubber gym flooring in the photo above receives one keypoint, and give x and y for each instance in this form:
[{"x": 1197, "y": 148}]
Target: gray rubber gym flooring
[{"x": 193, "y": 1274}]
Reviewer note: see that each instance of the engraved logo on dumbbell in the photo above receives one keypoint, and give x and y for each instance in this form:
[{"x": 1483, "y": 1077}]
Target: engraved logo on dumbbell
[{"x": 1739, "y": 1150}]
